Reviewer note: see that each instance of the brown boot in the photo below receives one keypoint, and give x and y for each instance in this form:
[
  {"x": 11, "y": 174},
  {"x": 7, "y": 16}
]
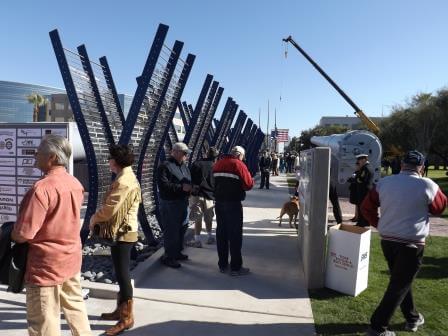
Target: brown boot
[
  {"x": 115, "y": 315},
  {"x": 126, "y": 319}
]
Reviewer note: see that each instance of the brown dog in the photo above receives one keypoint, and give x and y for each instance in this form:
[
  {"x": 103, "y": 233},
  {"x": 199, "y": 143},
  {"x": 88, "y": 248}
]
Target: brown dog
[{"x": 290, "y": 208}]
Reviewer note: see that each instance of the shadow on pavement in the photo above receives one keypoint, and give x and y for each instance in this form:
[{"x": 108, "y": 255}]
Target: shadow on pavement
[
  {"x": 270, "y": 252},
  {"x": 17, "y": 320},
  {"x": 195, "y": 328},
  {"x": 7, "y": 318},
  {"x": 273, "y": 198}
]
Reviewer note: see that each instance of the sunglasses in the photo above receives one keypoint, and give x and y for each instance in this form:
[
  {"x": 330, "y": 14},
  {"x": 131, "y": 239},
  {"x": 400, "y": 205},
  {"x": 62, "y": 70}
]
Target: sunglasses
[{"x": 180, "y": 151}]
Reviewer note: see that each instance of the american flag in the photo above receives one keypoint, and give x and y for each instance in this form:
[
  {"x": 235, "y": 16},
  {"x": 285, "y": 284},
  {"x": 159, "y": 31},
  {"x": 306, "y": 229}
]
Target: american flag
[{"x": 282, "y": 134}]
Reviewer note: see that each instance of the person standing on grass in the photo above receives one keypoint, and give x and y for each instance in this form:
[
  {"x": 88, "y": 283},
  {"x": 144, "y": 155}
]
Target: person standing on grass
[
  {"x": 363, "y": 182},
  {"x": 425, "y": 173},
  {"x": 232, "y": 180},
  {"x": 395, "y": 165},
  {"x": 202, "y": 199},
  {"x": 406, "y": 200}
]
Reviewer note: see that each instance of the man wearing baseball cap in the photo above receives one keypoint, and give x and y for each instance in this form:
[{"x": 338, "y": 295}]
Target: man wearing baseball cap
[
  {"x": 363, "y": 182},
  {"x": 232, "y": 180},
  {"x": 202, "y": 199},
  {"x": 174, "y": 182},
  {"x": 406, "y": 200}
]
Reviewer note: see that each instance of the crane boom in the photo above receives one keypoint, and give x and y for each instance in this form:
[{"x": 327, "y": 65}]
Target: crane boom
[{"x": 358, "y": 112}]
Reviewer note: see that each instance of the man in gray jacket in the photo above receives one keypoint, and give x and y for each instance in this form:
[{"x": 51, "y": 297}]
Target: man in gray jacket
[{"x": 406, "y": 200}]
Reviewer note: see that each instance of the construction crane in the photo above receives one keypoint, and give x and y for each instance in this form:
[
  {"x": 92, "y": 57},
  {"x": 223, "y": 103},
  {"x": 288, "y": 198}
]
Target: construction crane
[{"x": 358, "y": 112}]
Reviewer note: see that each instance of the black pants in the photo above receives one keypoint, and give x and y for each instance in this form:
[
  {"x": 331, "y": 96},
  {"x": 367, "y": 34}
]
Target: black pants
[
  {"x": 404, "y": 262},
  {"x": 121, "y": 256},
  {"x": 361, "y": 219},
  {"x": 229, "y": 234},
  {"x": 264, "y": 179},
  {"x": 333, "y": 195},
  {"x": 173, "y": 214}
]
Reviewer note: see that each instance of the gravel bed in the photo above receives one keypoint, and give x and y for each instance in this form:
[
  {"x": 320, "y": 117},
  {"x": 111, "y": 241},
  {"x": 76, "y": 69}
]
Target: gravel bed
[{"x": 97, "y": 262}]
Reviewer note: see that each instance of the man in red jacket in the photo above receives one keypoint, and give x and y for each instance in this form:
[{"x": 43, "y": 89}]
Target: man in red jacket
[{"x": 232, "y": 180}]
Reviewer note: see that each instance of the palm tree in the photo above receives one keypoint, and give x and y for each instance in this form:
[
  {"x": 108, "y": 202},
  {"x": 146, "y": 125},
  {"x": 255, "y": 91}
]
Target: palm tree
[{"x": 37, "y": 100}]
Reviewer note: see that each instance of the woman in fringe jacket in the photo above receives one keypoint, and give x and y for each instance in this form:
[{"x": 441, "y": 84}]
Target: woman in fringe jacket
[{"x": 118, "y": 215}]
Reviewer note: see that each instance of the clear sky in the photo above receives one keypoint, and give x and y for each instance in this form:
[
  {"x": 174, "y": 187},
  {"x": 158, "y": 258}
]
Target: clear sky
[{"x": 380, "y": 52}]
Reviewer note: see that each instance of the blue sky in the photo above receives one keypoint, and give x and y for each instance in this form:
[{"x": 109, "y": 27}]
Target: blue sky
[{"x": 380, "y": 52}]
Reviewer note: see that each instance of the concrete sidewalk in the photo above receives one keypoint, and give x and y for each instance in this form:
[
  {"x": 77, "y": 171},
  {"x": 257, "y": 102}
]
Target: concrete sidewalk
[{"x": 199, "y": 300}]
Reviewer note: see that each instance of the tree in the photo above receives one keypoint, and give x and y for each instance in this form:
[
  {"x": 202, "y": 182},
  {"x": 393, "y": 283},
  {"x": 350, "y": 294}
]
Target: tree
[
  {"x": 419, "y": 125},
  {"x": 396, "y": 132},
  {"x": 294, "y": 145},
  {"x": 37, "y": 100},
  {"x": 439, "y": 145}
]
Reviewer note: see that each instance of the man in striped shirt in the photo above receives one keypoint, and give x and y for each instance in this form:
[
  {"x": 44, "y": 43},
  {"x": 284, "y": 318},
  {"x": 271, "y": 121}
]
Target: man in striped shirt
[{"x": 406, "y": 200}]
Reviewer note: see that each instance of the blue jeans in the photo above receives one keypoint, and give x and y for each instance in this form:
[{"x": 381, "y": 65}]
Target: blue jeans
[
  {"x": 173, "y": 214},
  {"x": 229, "y": 234}
]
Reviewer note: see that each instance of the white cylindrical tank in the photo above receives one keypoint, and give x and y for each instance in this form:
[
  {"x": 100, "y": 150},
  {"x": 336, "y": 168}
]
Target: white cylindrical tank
[{"x": 344, "y": 149}]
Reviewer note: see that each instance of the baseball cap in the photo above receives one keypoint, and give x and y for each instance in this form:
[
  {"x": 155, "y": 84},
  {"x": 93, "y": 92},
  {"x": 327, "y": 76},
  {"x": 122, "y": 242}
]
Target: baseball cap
[
  {"x": 414, "y": 157},
  {"x": 238, "y": 150},
  {"x": 180, "y": 146},
  {"x": 361, "y": 156}
]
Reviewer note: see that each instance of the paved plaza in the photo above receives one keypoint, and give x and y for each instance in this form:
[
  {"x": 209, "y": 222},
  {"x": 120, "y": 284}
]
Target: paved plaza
[{"x": 197, "y": 299}]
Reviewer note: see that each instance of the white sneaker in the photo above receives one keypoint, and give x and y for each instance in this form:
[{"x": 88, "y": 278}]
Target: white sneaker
[
  {"x": 85, "y": 292},
  {"x": 413, "y": 326}
]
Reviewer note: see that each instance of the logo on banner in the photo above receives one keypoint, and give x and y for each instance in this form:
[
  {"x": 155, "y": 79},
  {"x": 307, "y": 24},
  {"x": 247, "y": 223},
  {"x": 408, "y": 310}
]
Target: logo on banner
[
  {"x": 6, "y": 143},
  {"x": 7, "y": 199},
  {"x": 7, "y": 208},
  {"x": 27, "y": 162}
]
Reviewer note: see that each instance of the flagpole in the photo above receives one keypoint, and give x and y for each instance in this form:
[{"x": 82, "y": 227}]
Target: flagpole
[
  {"x": 275, "y": 130},
  {"x": 267, "y": 130}
]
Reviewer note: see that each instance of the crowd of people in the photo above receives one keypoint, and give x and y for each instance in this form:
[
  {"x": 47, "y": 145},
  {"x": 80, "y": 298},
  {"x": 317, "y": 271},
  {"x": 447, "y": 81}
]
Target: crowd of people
[
  {"x": 215, "y": 183},
  {"x": 53, "y": 265},
  {"x": 273, "y": 164},
  {"x": 211, "y": 185}
]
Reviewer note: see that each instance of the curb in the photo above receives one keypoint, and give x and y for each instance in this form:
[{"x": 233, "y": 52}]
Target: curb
[{"x": 101, "y": 290}]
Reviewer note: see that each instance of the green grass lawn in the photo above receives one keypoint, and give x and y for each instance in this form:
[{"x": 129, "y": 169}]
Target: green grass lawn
[
  {"x": 440, "y": 177},
  {"x": 339, "y": 314}
]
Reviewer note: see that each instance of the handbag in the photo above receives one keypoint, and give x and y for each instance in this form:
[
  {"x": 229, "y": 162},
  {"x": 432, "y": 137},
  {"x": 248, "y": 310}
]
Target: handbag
[
  {"x": 108, "y": 232},
  {"x": 102, "y": 235},
  {"x": 17, "y": 268}
]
